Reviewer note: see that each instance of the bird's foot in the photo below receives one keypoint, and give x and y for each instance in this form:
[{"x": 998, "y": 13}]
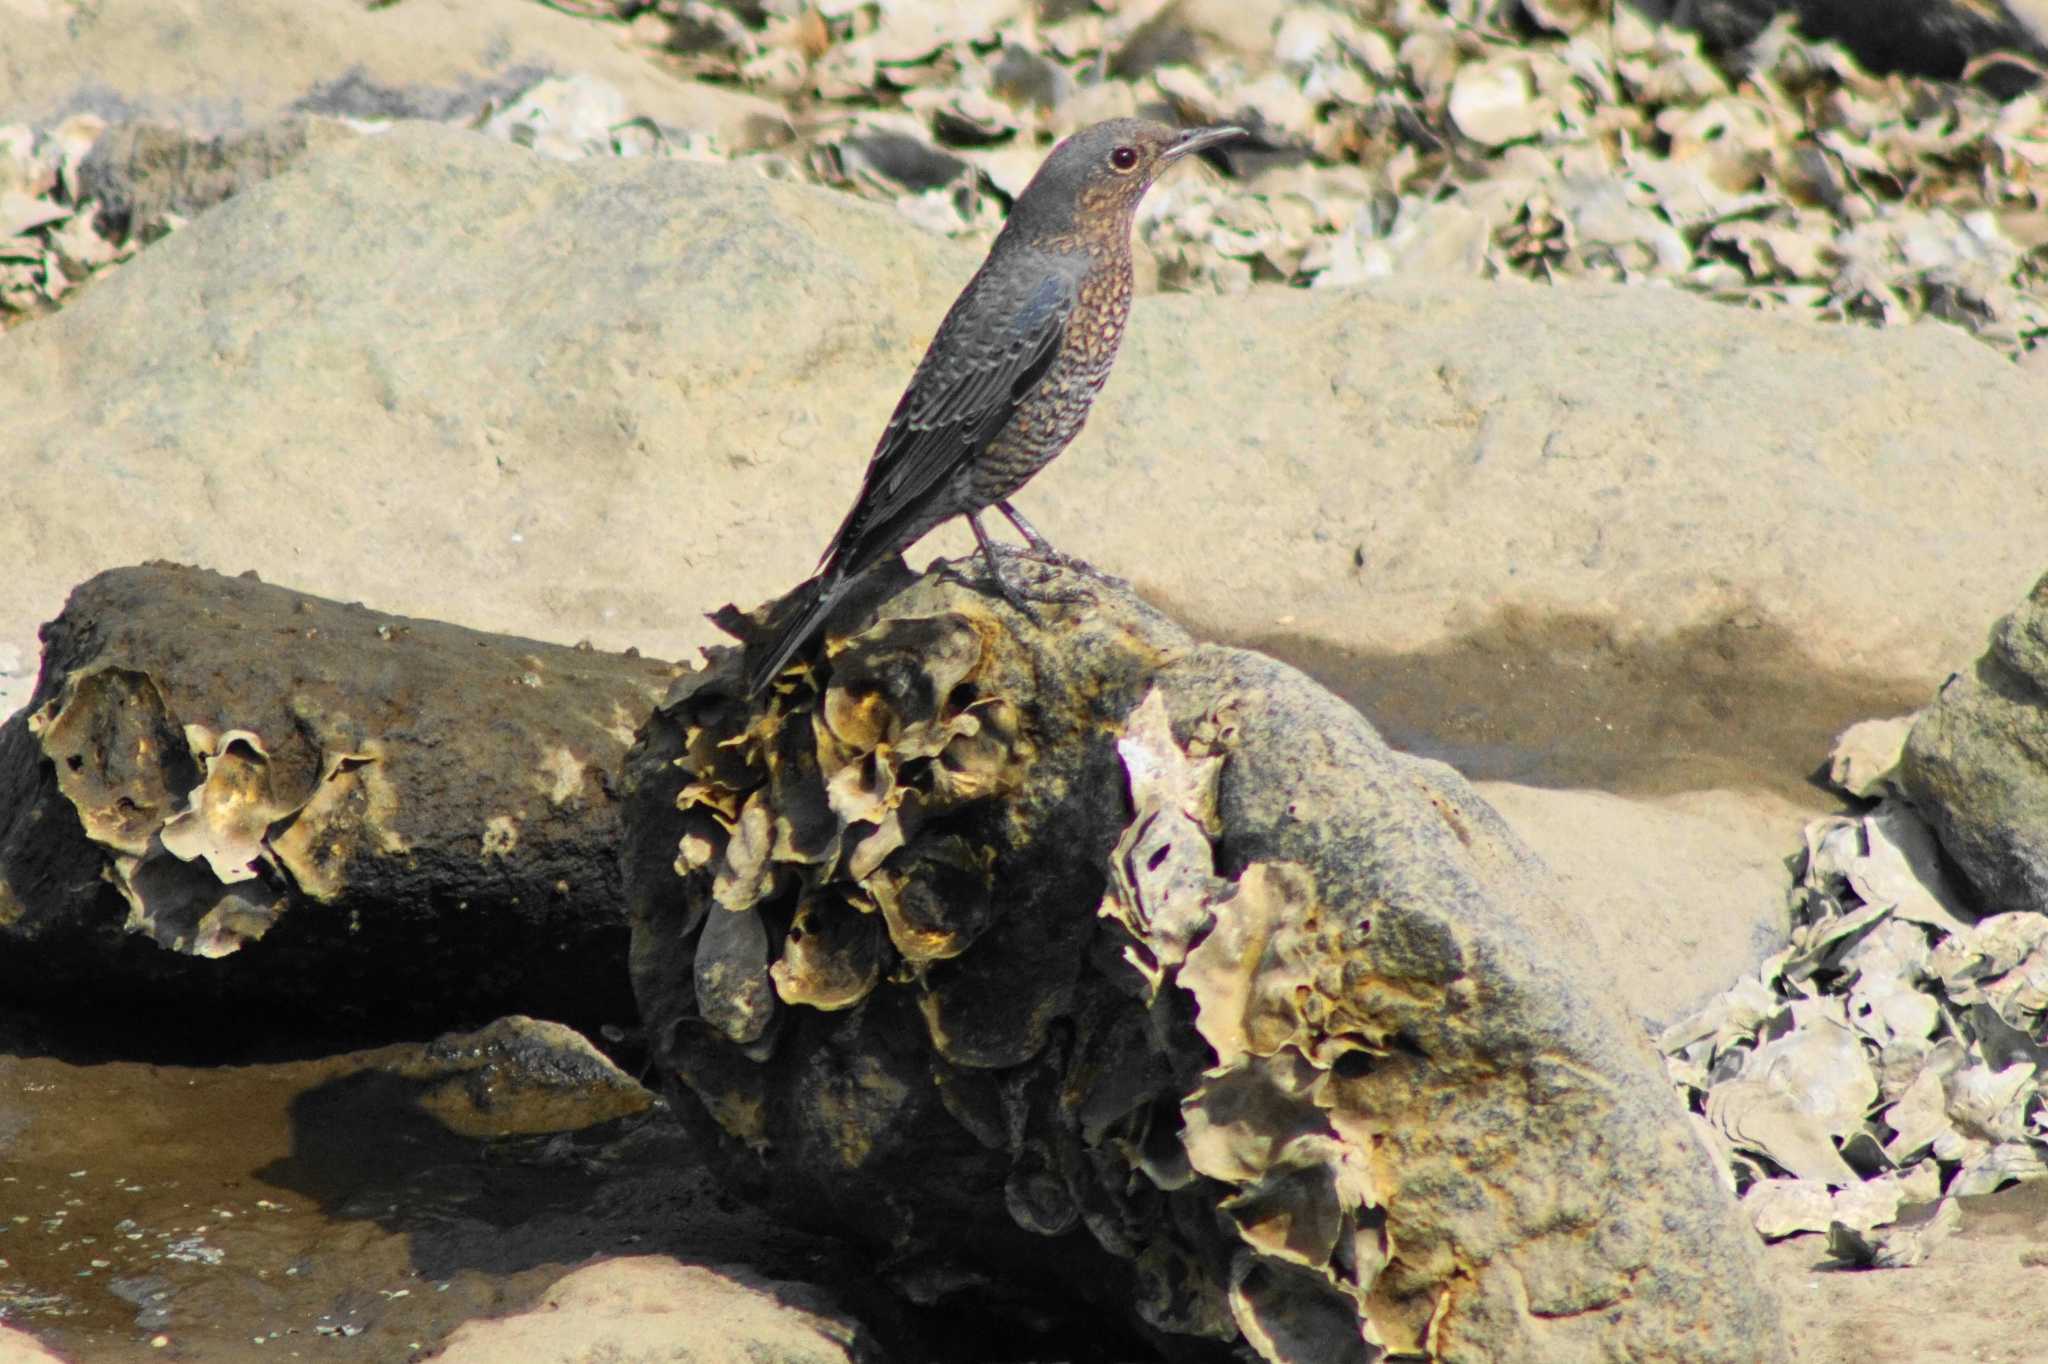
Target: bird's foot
[
  {"x": 998, "y": 574},
  {"x": 1039, "y": 587},
  {"x": 1045, "y": 554},
  {"x": 1014, "y": 592}
]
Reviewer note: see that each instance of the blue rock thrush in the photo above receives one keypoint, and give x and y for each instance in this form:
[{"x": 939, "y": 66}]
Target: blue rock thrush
[{"x": 1008, "y": 379}]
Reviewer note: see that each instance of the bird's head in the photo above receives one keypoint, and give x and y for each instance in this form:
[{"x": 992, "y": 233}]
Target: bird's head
[{"x": 1097, "y": 176}]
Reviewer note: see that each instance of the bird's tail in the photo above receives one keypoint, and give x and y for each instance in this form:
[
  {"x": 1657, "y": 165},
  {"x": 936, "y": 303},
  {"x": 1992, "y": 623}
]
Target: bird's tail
[{"x": 804, "y": 613}]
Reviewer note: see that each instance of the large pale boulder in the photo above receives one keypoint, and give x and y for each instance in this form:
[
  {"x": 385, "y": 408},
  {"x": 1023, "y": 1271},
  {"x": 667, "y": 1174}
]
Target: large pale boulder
[{"x": 589, "y": 399}]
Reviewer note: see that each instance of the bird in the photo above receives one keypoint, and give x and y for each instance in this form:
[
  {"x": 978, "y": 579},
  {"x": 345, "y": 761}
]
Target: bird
[{"x": 1009, "y": 376}]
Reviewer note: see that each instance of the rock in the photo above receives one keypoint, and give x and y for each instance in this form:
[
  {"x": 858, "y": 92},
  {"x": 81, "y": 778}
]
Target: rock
[
  {"x": 19, "y": 1347},
  {"x": 649, "y": 1308},
  {"x": 1976, "y": 764},
  {"x": 240, "y": 64},
  {"x": 137, "y": 172},
  {"x": 356, "y": 816},
  {"x": 1294, "y": 1046},
  {"x": 1681, "y": 894},
  {"x": 1935, "y": 39},
  {"x": 1866, "y": 754},
  {"x": 1568, "y": 563},
  {"x": 557, "y": 525},
  {"x": 520, "y": 1075}
]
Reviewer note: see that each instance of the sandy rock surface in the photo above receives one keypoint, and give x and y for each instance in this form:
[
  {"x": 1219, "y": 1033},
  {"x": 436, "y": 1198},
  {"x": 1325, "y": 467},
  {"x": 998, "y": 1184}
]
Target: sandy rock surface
[
  {"x": 649, "y": 1308},
  {"x": 1682, "y": 893}
]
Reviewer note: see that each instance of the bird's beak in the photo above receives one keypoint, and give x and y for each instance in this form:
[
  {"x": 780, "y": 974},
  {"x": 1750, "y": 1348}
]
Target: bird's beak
[{"x": 1195, "y": 139}]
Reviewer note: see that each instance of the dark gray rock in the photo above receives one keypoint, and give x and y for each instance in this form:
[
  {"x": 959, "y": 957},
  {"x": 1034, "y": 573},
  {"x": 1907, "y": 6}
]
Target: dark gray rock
[
  {"x": 1919, "y": 37},
  {"x": 228, "y": 791},
  {"x": 1976, "y": 764}
]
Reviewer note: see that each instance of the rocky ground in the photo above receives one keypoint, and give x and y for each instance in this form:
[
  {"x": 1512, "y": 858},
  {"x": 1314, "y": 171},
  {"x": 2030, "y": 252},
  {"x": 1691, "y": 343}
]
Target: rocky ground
[{"x": 484, "y": 313}]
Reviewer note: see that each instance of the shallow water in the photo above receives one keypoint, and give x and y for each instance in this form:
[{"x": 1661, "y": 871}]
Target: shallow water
[{"x": 355, "y": 1207}]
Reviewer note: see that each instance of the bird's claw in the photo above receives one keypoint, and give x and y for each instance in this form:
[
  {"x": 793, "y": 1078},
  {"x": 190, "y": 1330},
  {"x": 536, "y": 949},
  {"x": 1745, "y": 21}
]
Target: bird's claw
[
  {"x": 1025, "y": 597},
  {"x": 1013, "y": 594}
]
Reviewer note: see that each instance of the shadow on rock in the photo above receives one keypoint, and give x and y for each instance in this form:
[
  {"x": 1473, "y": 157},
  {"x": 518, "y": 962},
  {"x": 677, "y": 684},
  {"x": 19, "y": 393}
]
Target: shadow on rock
[{"x": 1567, "y": 700}]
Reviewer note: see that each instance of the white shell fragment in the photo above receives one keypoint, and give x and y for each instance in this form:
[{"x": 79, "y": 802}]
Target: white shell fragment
[
  {"x": 1496, "y": 103},
  {"x": 1163, "y": 883},
  {"x": 1892, "y": 1058},
  {"x": 1866, "y": 753},
  {"x": 566, "y": 119},
  {"x": 1896, "y": 1247}
]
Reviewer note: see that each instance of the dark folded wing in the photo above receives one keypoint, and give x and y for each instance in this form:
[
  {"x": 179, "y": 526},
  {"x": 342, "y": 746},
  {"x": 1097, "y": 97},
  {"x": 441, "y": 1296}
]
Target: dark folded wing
[{"x": 990, "y": 352}]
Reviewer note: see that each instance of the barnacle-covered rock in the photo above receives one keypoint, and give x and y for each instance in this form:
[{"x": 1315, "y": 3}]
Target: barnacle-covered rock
[
  {"x": 1137, "y": 978},
  {"x": 353, "y": 815}
]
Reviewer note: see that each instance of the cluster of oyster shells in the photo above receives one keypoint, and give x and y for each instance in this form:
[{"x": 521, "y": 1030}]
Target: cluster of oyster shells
[
  {"x": 50, "y": 240},
  {"x": 1409, "y": 137},
  {"x": 1887, "y": 1060}
]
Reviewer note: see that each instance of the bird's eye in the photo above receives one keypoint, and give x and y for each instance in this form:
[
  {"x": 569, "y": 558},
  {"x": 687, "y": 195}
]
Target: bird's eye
[{"x": 1124, "y": 158}]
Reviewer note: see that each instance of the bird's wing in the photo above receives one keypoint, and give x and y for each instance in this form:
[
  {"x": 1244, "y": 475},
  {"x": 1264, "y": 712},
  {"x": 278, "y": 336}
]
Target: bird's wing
[{"x": 992, "y": 349}]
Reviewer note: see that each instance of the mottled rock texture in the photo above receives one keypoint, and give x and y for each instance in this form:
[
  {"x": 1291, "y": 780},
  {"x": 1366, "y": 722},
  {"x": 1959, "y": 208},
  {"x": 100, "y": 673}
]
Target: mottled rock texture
[
  {"x": 353, "y": 815},
  {"x": 137, "y": 172},
  {"x": 1976, "y": 764},
  {"x": 1209, "y": 1009}
]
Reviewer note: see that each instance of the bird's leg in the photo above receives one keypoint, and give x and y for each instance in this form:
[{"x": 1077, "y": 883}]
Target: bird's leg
[
  {"x": 1005, "y": 589},
  {"x": 1041, "y": 548},
  {"x": 1016, "y": 594}
]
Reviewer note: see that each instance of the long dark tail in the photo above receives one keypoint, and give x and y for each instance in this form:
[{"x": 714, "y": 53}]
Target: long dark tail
[{"x": 804, "y": 615}]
